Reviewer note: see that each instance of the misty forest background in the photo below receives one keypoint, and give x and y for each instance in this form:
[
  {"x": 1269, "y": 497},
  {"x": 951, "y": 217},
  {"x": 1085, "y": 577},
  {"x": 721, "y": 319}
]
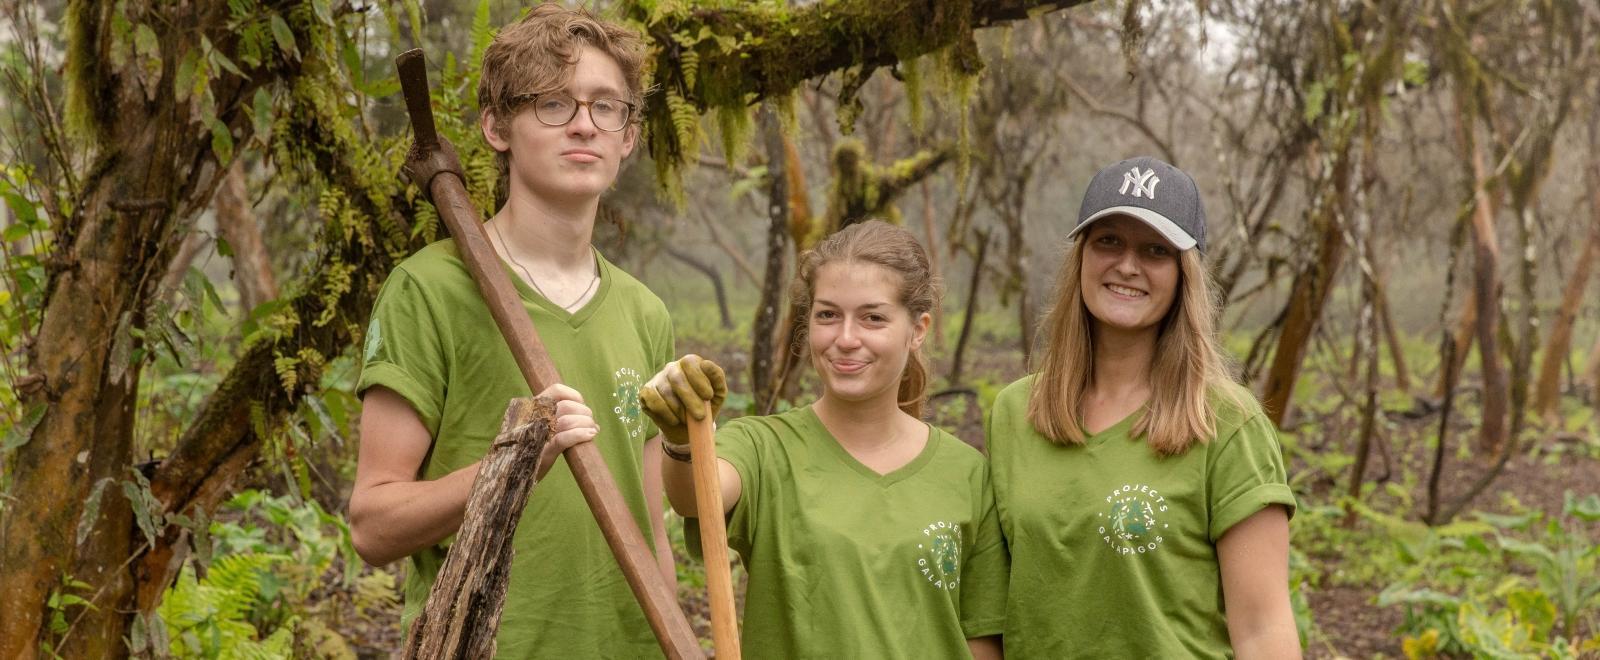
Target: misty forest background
[{"x": 201, "y": 200}]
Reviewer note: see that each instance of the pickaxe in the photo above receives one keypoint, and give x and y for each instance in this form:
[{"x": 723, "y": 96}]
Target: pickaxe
[{"x": 433, "y": 165}]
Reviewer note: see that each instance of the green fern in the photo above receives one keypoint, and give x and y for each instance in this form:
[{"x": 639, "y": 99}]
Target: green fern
[{"x": 210, "y": 618}]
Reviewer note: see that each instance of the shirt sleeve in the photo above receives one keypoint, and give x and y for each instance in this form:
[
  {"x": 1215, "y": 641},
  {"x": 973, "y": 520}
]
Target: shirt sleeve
[
  {"x": 1246, "y": 475},
  {"x": 986, "y": 574},
  {"x": 404, "y": 349},
  {"x": 661, "y": 352}
]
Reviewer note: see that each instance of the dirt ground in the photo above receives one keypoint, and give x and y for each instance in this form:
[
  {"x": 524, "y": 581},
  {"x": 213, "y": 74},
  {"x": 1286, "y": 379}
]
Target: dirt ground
[{"x": 1541, "y": 470}]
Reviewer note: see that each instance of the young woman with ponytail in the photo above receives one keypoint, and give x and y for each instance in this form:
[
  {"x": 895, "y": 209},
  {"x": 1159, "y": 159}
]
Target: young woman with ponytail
[{"x": 866, "y": 532}]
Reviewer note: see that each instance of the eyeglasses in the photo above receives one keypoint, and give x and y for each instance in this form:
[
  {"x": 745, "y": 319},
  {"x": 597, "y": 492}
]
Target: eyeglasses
[{"x": 558, "y": 108}]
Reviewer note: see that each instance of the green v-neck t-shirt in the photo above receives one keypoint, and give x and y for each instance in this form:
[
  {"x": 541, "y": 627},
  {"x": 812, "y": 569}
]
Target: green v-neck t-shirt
[
  {"x": 431, "y": 339},
  {"x": 1113, "y": 548},
  {"x": 848, "y": 563}
]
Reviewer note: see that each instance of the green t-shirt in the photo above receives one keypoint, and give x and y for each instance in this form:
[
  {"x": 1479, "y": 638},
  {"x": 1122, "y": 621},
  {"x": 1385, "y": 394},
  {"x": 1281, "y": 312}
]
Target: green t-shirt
[
  {"x": 1113, "y": 548},
  {"x": 845, "y": 562},
  {"x": 431, "y": 340}
]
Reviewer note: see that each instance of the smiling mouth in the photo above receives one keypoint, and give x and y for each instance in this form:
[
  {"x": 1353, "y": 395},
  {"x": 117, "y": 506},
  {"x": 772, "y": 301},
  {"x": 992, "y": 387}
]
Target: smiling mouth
[
  {"x": 1125, "y": 291},
  {"x": 847, "y": 366}
]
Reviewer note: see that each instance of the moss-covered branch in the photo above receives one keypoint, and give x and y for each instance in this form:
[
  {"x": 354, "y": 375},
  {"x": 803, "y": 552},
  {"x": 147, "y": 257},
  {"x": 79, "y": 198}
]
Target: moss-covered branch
[{"x": 723, "y": 60}]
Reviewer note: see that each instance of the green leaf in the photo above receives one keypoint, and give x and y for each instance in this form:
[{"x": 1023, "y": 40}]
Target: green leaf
[
  {"x": 1415, "y": 73},
  {"x": 147, "y": 49},
  {"x": 222, "y": 60},
  {"x": 91, "y": 509},
  {"x": 16, "y": 232},
  {"x": 183, "y": 83},
  {"x": 323, "y": 11},
  {"x": 23, "y": 210},
  {"x": 141, "y": 508},
  {"x": 1587, "y": 508},
  {"x": 1316, "y": 95},
  {"x": 284, "y": 36},
  {"x": 19, "y": 433},
  {"x": 221, "y": 141},
  {"x": 262, "y": 113}
]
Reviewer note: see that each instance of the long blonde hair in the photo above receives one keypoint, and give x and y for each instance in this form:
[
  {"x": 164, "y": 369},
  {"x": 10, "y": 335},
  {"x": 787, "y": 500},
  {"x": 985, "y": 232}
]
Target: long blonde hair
[
  {"x": 1188, "y": 366},
  {"x": 896, "y": 249}
]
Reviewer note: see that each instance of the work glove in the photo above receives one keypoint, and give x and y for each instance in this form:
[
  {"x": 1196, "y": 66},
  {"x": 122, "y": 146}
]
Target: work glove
[{"x": 692, "y": 387}]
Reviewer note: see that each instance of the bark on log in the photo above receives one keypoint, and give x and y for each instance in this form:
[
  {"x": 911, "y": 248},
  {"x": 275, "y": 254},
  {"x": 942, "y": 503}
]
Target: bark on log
[{"x": 462, "y": 613}]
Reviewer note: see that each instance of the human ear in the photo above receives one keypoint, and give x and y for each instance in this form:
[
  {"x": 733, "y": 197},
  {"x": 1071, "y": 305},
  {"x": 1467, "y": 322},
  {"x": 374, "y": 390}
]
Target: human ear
[
  {"x": 919, "y": 329},
  {"x": 491, "y": 133},
  {"x": 630, "y": 137}
]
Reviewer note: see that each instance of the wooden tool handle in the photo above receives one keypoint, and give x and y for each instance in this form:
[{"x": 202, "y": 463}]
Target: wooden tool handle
[
  {"x": 413, "y": 70},
  {"x": 714, "y": 539},
  {"x": 449, "y": 196}
]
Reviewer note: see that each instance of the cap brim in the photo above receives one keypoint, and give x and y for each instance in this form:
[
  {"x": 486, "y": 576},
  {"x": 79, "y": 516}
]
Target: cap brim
[{"x": 1168, "y": 229}]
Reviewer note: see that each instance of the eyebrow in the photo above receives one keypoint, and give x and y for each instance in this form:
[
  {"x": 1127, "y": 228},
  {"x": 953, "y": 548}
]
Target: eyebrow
[
  {"x": 830, "y": 303},
  {"x": 599, "y": 91}
]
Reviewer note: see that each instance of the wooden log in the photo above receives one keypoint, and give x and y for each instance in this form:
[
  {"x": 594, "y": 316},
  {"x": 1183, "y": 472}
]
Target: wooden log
[{"x": 462, "y": 613}]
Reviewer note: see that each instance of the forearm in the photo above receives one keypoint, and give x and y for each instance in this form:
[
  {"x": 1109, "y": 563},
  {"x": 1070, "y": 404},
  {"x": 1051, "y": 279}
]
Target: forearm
[
  {"x": 1276, "y": 638},
  {"x": 985, "y": 648},
  {"x": 677, "y": 478},
  {"x": 389, "y": 521}
]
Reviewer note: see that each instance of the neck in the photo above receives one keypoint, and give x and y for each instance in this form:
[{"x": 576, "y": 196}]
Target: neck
[
  {"x": 861, "y": 424},
  {"x": 1122, "y": 363},
  {"x": 552, "y": 235}
]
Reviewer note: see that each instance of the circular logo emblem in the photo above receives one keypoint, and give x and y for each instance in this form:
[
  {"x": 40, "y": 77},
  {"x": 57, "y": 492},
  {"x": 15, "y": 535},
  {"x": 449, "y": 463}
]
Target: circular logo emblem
[
  {"x": 1131, "y": 523},
  {"x": 939, "y": 555},
  {"x": 625, "y": 401}
]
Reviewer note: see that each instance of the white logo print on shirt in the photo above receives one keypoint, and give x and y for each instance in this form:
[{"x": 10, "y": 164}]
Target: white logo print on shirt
[{"x": 1131, "y": 523}]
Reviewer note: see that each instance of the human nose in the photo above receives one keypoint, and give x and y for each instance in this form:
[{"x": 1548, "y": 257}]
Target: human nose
[
  {"x": 582, "y": 122},
  {"x": 849, "y": 335},
  {"x": 1127, "y": 263}
]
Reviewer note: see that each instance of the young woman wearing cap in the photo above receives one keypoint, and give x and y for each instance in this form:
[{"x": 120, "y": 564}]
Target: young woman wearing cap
[
  {"x": 866, "y": 532},
  {"x": 1142, "y": 492}
]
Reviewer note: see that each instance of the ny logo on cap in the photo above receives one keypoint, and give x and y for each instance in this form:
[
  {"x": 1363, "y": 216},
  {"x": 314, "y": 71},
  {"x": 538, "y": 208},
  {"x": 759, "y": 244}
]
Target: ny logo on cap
[{"x": 1144, "y": 184}]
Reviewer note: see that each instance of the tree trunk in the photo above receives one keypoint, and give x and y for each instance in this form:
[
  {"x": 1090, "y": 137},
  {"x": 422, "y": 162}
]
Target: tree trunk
[
  {"x": 1485, "y": 293},
  {"x": 1397, "y": 352},
  {"x": 178, "y": 269},
  {"x": 149, "y": 167},
  {"x": 765, "y": 325},
  {"x": 1307, "y": 296},
  {"x": 931, "y": 236},
  {"x": 1592, "y": 371},
  {"x": 1559, "y": 345},
  {"x": 236, "y": 223},
  {"x": 1368, "y": 331},
  {"x": 972, "y": 307},
  {"x": 711, "y": 274}
]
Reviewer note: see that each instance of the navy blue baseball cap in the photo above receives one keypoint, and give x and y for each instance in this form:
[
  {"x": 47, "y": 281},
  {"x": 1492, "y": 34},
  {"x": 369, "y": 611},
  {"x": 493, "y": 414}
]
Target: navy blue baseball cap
[{"x": 1152, "y": 191}]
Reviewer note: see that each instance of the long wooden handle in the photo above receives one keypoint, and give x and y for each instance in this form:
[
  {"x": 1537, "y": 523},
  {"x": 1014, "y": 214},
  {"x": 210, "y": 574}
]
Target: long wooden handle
[
  {"x": 714, "y": 539},
  {"x": 448, "y": 193}
]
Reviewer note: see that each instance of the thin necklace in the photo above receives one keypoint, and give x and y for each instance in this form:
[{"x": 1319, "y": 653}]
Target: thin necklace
[{"x": 567, "y": 307}]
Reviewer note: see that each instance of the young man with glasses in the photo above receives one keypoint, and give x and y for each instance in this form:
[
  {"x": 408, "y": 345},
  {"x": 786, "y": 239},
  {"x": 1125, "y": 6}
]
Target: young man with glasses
[{"x": 559, "y": 96}]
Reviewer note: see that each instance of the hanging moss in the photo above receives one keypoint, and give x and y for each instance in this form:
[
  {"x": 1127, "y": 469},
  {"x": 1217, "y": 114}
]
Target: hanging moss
[{"x": 731, "y": 54}]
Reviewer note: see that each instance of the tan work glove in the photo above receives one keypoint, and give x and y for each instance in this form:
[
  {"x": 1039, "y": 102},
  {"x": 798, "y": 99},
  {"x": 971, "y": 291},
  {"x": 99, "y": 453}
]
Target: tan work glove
[{"x": 691, "y": 387}]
